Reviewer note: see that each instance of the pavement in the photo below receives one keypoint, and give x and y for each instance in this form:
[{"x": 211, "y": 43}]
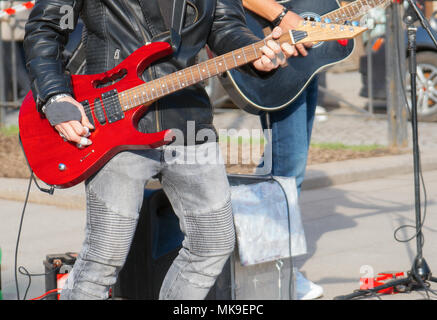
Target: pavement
[{"x": 350, "y": 209}]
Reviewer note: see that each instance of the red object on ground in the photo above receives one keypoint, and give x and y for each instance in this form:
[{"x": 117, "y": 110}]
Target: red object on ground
[{"x": 381, "y": 279}]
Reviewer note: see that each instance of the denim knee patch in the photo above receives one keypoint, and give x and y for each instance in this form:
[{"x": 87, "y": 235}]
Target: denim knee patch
[
  {"x": 211, "y": 233},
  {"x": 109, "y": 234}
]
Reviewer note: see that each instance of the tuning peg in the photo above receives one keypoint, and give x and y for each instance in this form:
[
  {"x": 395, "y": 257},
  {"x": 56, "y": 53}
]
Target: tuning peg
[
  {"x": 355, "y": 23},
  {"x": 318, "y": 19},
  {"x": 327, "y": 20}
]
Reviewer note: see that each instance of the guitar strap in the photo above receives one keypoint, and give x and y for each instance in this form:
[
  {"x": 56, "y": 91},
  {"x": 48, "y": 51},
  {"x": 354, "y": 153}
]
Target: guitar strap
[{"x": 176, "y": 24}]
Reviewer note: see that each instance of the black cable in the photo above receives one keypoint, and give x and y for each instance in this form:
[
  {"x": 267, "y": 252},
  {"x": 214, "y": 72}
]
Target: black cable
[
  {"x": 22, "y": 270},
  {"x": 19, "y": 234},
  {"x": 290, "y": 282}
]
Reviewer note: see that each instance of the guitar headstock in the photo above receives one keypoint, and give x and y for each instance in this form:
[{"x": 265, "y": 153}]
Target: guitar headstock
[{"x": 311, "y": 31}]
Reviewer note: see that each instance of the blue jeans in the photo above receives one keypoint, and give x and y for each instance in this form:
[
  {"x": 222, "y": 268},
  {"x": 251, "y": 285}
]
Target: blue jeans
[
  {"x": 291, "y": 135},
  {"x": 200, "y": 197}
]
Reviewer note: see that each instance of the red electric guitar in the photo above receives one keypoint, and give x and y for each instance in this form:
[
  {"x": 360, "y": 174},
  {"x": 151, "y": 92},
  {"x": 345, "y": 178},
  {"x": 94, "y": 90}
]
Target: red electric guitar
[{"x": 116, "y": 109}]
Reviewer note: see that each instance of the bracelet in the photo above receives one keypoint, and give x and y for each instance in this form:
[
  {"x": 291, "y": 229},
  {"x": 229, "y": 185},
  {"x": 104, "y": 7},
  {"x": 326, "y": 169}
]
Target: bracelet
[
  {"x": 53, "y": 99},
  {"x": 279, "y": 18}
]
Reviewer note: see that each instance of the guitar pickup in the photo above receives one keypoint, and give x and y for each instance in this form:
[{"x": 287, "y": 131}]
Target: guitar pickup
[
  {"x": 86, "y": 107},
  {"x": 98, "y": 111},
  {"x": 112, "y": 106}
]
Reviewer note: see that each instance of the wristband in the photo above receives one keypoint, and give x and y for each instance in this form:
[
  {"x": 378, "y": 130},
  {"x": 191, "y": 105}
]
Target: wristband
[
  {"x": 53, "y": 99},
  {"x": 279, "y": 18}
]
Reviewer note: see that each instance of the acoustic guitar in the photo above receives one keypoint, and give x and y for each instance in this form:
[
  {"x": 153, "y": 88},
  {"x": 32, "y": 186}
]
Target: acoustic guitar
[{"x": 258, "y": 95}]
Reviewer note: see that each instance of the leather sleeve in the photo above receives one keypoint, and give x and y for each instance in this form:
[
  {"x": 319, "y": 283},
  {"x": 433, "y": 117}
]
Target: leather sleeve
[
  {"x": 229, "y": 30},
  {"x": 46, "y": 33}
]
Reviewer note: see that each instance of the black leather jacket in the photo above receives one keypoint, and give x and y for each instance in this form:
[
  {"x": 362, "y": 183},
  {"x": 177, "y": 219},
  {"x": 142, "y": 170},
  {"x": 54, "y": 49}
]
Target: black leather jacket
[{"x": 116, "y": 28}]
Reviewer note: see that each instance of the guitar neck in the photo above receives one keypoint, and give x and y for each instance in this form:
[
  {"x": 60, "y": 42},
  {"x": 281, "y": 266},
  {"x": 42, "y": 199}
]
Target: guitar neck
[
  {"x": 156, "y": 89},
  {"x": 353, "y": 10}
]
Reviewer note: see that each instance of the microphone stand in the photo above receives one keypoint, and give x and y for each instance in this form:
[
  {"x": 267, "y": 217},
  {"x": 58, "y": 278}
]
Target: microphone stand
[{"x": 420, "y": 271}]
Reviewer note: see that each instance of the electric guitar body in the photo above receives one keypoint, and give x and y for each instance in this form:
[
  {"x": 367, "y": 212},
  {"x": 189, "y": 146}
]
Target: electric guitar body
[
  {"x": 258, "y": 95},
  {"x": 62, "y": 164}
]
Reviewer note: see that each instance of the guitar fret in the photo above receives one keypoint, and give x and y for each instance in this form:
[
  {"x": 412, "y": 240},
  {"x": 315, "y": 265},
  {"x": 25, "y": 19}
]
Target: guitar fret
[
  {"x": 207, "y": 69},
  {"x": 244, "y": 55},
  {"x": 179, "y": 80},
  {"x": 193, "y": 79},
  {"x": 145, "y": 92},
  {"x": 224, "y": 61},
  {"x": 184, "y": 84},
  {"x": 160, "y": 85},
  {"x": 215, "y": 63},
  {"x": 165, "y": 79},
  {"x": 233, "y": 56},
  {"x": 200, "y": 73},
  {"x": 172, "y": 82},
  {"x": 153, "y": 90},
  {"x": 254, "y": 50},
  {"x": 192, "y": 76},
  {"x": 220, "y": 65}
]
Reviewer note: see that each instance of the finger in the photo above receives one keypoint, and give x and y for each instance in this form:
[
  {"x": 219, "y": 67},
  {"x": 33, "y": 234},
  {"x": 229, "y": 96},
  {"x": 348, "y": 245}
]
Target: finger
[
  {"x": 78, "y": 128},
  {"x": 276, "y": 48},
  {"x": 71, "y": 133},
  {"x": 289, "y": 49},
  {"x": 301, "y": 49},
  {"x": 86, "y": 123},
  {"x": 276, "y": 33},
  {"x": 308, "y": 45},
  {"x": 62, "y": 132},
  {"x": 268, "y": 52},
  {"x": 84, "y": 142},
  {"x": 282, "y": 59},
  {"x": 267, "y": 63},
  {"x": 262, "y": 64}
]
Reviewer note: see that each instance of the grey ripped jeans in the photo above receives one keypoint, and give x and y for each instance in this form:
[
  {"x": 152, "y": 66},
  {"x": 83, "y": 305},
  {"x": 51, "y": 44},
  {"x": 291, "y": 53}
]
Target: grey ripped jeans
[{"x": 200, "y": 197}]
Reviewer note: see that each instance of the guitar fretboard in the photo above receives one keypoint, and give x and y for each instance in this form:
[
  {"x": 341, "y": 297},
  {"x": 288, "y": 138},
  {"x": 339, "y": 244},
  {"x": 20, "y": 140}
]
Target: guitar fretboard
[
  {"x": 353, "y": 10},
  {"x": 156, "y": 89}
]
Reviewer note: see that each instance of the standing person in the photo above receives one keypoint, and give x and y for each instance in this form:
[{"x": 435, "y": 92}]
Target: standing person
[
  {"x": 198, "y": 193},
  {"x": 291, "y": 126}
]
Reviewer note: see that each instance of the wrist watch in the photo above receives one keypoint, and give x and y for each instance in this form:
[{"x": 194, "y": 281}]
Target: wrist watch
[
  {"x": 55, "y": 98},
  {"x": 279, "y": 18}
]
